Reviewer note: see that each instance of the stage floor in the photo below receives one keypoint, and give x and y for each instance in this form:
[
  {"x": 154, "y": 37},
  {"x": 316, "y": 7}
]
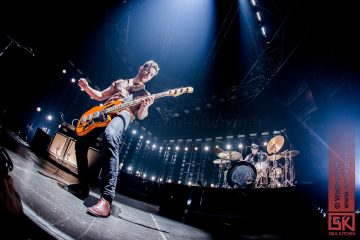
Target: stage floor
[{"x": 61, "y": 215}]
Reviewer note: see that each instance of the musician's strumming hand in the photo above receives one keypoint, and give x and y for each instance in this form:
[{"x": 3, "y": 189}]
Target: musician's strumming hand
[{"x": 83, "y": 83}]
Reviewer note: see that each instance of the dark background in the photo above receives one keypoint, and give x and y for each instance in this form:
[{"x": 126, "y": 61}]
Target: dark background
[{"x": 303, "y": 76}]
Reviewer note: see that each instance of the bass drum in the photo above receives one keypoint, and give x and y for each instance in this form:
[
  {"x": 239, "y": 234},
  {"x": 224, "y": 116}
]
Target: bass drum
[{"x": 241, "y": 175}]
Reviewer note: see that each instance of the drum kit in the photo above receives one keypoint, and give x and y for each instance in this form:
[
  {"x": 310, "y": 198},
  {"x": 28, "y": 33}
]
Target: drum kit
[{"x": 266, "y": 172}]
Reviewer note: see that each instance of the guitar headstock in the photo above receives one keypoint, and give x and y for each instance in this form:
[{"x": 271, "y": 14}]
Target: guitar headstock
[{"x": 178, "y": 91}]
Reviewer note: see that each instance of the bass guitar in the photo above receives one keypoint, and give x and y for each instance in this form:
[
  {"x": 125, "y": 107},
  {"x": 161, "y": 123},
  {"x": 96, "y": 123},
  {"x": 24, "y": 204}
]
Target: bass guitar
[{"x": 100, "y": 116}]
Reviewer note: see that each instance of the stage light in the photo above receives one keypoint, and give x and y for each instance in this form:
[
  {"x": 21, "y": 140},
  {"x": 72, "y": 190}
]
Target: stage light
[
  {"x": 169, "y": 148},
  {"x": 253, "y": 2},
  {"x": 73, "y": 80},
  {"x": 38, "y": 109},
  {"x": 241, "y": 146},
  {"x": 177, "y": 148},
  {"x": 49, "y": 117},
  {"x": 189, "y": 183},
  {"x": 161, "y": 148},
  {"x": 265, "y": 143},
  {"x": 189, "y": 202},
  {"x": 153, "y": 178},
  {"x": 133, "y": 131},
  {"x": 64, "y": 71},
  {"x": 154, "y": 146},
  {"x": 147, "y": 142},
  {"x": 206, "y": 148},
  {"x": 186, "y": 111},
  {"x": 129, "y": 168},
  {"x": 228, "y": 146},
  {"x": 196, "y": 148},
  {"x": 141, "y": 136},
  {"x": 169, "y": 181},
  {"x": 212, "y": 185},
  {"x": 263, "y": 31},
  {"x": 258, "y": 16},
  {"x": 160, "y": 180},
  {"x": 179, "y": 182},
  {"x": 144, "y": 175},
  {"x": 186, "y": 148},
  {"x": 197, "y": 108}
]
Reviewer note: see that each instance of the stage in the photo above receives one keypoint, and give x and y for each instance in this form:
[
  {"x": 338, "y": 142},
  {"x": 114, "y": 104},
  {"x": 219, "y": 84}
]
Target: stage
[{"x": 163, "y": 212}]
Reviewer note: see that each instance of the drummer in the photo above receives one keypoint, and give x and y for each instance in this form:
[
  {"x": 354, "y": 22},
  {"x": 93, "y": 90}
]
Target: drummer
[{"x": 256, "y": 155}]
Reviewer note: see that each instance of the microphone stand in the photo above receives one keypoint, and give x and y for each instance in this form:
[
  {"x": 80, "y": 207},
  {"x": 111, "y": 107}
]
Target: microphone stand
[
  {"x": 30, "y": 51},
  {"x": 1, "y": 53},
  {"x": 290, "y": 162}
]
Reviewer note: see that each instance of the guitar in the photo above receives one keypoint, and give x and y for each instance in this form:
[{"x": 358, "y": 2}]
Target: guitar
[{"x": 100, "y": 116}]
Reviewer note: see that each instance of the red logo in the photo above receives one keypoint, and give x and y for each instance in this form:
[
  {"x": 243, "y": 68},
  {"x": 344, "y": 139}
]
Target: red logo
[{"x": 341, "y": 222}]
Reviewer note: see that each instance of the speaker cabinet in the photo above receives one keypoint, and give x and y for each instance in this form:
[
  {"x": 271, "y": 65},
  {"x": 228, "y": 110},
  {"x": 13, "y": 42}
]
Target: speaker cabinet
[
  {"x": 40, "y": 142},
  {"x": 62, "y": 150},
  {"x": 59, "y": 145}
]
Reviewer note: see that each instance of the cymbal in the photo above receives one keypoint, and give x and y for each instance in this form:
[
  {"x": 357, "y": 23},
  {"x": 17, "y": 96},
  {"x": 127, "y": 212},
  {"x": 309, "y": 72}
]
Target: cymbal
[
  {"x": 229, "y": 155},
  {"x": 274, "y": 157},
  {"x": 220, "y": 161},
  {"x": 275, "y": 144},
  {"x": 290, "y": 154},
  {"x": 218, "y": 150}
]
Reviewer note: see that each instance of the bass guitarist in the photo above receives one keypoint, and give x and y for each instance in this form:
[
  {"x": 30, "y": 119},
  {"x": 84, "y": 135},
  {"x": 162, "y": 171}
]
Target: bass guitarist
[{"x": 119, "y": 89}]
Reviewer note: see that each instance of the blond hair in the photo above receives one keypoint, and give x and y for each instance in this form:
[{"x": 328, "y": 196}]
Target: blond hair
[{"x": 152, "y": 63}]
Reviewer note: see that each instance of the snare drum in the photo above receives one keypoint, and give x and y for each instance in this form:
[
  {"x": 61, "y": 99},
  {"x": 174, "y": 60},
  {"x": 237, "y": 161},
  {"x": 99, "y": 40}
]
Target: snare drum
[{"x": 241, "y": 175}]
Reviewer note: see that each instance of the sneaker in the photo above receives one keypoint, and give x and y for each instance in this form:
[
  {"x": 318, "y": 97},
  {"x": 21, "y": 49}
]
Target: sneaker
[
  {"x": 76, "y": 189},
  {"x": 101, "y": 209}
]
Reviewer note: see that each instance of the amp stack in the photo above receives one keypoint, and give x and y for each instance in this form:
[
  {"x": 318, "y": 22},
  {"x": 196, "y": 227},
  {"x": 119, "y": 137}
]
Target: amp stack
[{"x": 62, "y": 149}]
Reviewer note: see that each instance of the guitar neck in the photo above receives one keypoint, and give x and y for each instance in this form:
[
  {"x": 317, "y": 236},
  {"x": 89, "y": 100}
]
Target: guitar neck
[{"x": 134, "y": 102}]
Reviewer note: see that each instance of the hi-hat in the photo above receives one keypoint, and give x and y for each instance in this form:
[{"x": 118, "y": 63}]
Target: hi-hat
[
  {"x": 229, "y": 155},
  {"x": 275, "y": 144},
  {"x": 220, "y": 161},
  {"x": 274, "y": 157},
  {"x": 218, "y": 150},
  {"x": 289, "y": 154}
]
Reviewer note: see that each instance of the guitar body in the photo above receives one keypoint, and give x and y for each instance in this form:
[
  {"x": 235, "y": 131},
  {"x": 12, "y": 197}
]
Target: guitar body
[{"x": 96, "y": 117}]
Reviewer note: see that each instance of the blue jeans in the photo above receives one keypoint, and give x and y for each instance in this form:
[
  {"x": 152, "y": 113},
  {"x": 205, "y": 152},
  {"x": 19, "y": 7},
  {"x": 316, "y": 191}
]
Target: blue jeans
[{"x": 111, "y": 145}]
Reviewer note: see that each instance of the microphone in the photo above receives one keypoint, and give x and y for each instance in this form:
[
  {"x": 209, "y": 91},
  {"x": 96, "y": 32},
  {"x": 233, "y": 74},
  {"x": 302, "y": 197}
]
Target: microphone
[{"x": 62, "y": 116}]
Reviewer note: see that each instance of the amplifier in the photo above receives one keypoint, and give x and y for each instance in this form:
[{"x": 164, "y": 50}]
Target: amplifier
[{"x": 62, "y": 150}]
